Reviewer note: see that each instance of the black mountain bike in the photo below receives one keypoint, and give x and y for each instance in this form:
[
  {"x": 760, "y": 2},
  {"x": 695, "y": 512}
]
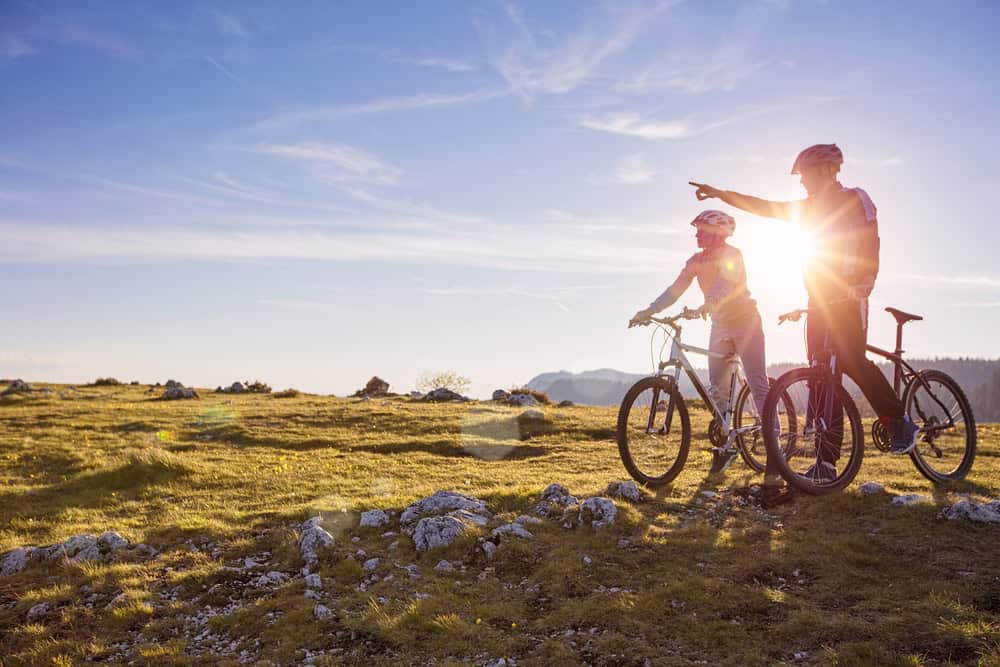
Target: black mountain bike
[{"x": 831, "y": 423}]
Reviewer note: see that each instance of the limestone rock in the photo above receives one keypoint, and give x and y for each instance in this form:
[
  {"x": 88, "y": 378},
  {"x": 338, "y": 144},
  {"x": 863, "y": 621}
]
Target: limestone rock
[
  {"x": 515, "y": 529},
  {"x": 910, "y": 499},
  {"x": 18, "y": 386},
  {"x": 439, "y": 503},
  {"x": 112, "y": 541},
  {"x": 37, "y": 612},
  {"x": 566, "y": 404},
  {"x": 444, "y": 566},
  {"x": 522, "y": 400},
  {"x": 272, "y": 578},
  {"x": 979, "y": 512},
  {"x": 373, "y": 519},
  {"x": 311, "y": 538},
  {"x": 14, "y": 561},
  {"x": 598, "y": 512},
  {"x": 437, "y": 531},
  {"x": 322, "y": 612},
  {"x": 313, "y": 581},
  {"x": 871, "y": 488},
  {"x": 443, "y": 395},
  {"x": 370, "y": 565},
  {"x": 627, "y": 490},
  {"x": 177, "y": 393},
  {"x": 501, "y": 396},
  {"x": 555, "y": 498}
]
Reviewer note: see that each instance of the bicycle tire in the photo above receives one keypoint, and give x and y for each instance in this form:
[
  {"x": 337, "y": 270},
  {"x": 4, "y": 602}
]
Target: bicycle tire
[
  {"x": 920, "y": 458},
  {"x": 741, "y": 441},
  {"x": 666, "y": 387},
  {"x": 800, "y": 482}
]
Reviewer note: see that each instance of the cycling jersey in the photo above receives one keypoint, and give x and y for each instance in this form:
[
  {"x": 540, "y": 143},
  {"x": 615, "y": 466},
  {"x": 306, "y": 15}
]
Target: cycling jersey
[
  {"x": 722, "y": 278},
  {"x": 844, "y": 227}
]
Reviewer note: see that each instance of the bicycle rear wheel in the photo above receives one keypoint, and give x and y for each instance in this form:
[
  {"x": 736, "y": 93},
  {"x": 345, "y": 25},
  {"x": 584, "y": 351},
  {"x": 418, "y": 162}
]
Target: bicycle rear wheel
[
  {"x": 654, "y": 432},
  {"x": 822, "y": 451},
  {"x": 943, "y": 453},
  {"x": 747, "y": 415}
]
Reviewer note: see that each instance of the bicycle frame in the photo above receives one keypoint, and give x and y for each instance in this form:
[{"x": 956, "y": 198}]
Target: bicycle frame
[
  {"x": 678, "y": 361},
  {"x": 903, "y": 375}
]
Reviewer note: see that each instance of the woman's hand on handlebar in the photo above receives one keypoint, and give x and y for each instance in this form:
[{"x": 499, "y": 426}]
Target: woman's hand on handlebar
[{"x": 640, "y": 319}]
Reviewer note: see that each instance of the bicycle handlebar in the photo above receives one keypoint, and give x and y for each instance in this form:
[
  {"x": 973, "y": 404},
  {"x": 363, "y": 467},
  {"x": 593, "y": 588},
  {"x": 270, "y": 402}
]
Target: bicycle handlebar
[
  {"x": 686, "y": 314},
  {"x": 796, "y": 315}
]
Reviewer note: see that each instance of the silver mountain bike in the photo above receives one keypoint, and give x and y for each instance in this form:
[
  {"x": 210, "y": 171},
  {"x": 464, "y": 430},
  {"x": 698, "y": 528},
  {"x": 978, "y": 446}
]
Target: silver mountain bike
[{"x": 654, "y": 428}]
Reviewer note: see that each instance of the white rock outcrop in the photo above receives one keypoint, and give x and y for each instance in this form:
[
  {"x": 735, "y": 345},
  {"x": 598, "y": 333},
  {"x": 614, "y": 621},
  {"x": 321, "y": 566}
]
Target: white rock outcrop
[
  {"x": 373, "y": 519},
  {"x": 988, "y": 512},
  {"x": 441, "y": 502},
  {"x": 554, "y": 500},
  {"x": 438, "y": 531},
  {"x": 598, "y": 512},
  {"x": 871, "y": 488},
  {"x": 313, "y": 536},
  {"x": 627, "y": 490}
]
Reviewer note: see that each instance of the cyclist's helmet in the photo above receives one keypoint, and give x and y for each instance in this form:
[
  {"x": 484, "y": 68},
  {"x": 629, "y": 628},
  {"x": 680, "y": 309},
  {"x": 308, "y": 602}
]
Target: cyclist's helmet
[
  {"x": 718, "y": 221},
  {"x": 818, "y": 154}
]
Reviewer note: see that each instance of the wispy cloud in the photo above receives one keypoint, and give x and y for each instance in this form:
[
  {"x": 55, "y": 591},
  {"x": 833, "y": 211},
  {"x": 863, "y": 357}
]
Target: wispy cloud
[
  {"x": 389, "y": 105},
  {"x": 532, "y": 66},
  {"x": 723, "y": 69},
  {"x": 497, "y": 247},
  {"x": 295, "y": 304},
  {"x": 443, "y": 63},
  {"x": 949, "y": 279},
  {"x": 15, "y": 47},
  {"x": 556, "y": 295},
  {"x": 633, "y": 125},
  {"x": 228, "y": 25},
  {"x": 336, "y": 163},
  {"x": 224, "y": 71},
  {"x": 633, "y": 170}
]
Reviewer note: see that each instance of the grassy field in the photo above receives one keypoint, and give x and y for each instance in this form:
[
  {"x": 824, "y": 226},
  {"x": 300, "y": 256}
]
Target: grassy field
[{"x": 678, "y": 580}]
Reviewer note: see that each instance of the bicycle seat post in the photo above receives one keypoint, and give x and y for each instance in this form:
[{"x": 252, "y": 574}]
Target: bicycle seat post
[{"x": 899, "y": 337}]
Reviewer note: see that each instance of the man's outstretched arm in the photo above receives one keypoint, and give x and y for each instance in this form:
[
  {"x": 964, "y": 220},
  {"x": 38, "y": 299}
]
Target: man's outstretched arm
[{"x": 782, "y": 210}]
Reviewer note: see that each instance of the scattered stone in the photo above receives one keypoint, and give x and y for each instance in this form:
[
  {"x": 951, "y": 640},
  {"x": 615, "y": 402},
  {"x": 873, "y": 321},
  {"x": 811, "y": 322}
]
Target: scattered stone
[
  {"x": 988, "y": 512},
  {"x": 709, "y": 494},
  {"x": 502, "y": 662},
  {"x": 112, "y": 540},
  {"x": 415, "y": 394},
  {"x": 799, "y": 656},
  {"x": 437, "y": 531},
  {"x": 532, "y": 414},
  {"x": 14, "y": 561},
  {"x": 522, "y": 400},
  {"x": 555, "y": 498},
  {"x": 375, "y": 387},
  {"x": 177, "y": 393},
  {"x": 566, "y": 404},
  {"x": 625, "y": 490},
  {"x": 272, "y": 578},
  {"x": 394, "y": 545},
  {"x": 871, "y": 488},
  {"x": 515, "y": 529},
  {"x": 37, "y": 612},
  {"x": 311, "y": 594},
  {"x": 234, "y": 388},
  {"x": 439, "y": 503},
  {"x": 374, "y": 519},
  {"x": 910, "y": 499},
  {"x": 313, "y": 581},
  {"x": 412, "y": 571},
  {"x": 370, "y": 565},
  {"x": 18, "y": 386},
  {"x": 443, "y": 395},
  {"x": 322, "y": 612},
  {"x": 469, "y": 517},
  {"x": 444, "y": 566},
  {"x": 311, "y": 538},
  {"x": 587, "y": 561},
  {"x": 525, "y": 519},
  {"x": 598, "y": 512},
  {"x": 501, "y": 396},
  {"x": 489, "y": 548}
]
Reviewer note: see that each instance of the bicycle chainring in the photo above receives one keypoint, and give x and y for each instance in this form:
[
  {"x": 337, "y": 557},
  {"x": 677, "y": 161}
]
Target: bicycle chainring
[
  {"x": 880, "y": 436},
  {"x": 715, "y": 434}
]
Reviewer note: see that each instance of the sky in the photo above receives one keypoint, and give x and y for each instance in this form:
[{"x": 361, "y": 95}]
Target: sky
[{"x": 315, "y": 193}]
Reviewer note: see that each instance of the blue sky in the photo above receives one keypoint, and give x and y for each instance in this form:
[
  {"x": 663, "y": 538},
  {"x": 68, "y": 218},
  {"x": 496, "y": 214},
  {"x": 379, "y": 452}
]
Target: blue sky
[{"x": 316, "y": 193}]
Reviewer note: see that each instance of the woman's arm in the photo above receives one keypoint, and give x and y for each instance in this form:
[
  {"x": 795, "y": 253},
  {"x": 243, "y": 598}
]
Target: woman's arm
[{"x": 669, "y": 296}]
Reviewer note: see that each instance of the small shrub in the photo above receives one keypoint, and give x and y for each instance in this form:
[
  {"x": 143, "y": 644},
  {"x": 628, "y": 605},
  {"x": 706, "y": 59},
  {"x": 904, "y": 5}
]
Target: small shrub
[
  {"x": 106, "y": 382},
  {"x": 443, "y": 380},
  {"x": 256, "y": 387},
  {"x": 288, "y": 393},
  {"x": 539, "y": 396}
]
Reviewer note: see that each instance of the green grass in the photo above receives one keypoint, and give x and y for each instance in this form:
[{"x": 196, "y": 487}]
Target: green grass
[{"x": 847, "y": 578}]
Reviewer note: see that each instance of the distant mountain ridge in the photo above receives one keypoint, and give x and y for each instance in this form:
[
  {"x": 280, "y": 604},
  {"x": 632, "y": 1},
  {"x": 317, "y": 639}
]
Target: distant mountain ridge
[{"x": 979, "y": 378}]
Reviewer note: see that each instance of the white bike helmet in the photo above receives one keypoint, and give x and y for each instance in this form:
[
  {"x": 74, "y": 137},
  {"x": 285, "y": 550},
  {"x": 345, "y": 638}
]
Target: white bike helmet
[
  {"x": 717, "y": 220},
  {"x": 818, "y": 154}
]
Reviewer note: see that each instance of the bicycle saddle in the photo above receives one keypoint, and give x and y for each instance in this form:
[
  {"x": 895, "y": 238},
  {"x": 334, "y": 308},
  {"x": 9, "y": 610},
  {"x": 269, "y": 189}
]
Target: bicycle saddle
[{"x": 901, "y": 317}]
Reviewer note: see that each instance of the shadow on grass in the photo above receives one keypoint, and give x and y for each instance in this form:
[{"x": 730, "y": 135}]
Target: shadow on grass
[
  {"x": 94, "y": 489},
  {"x": 481, "y": 450}
]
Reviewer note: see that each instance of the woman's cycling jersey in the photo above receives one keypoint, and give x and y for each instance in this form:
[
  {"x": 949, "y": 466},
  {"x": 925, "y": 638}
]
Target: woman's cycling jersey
[{"x": 722, "y": 278}]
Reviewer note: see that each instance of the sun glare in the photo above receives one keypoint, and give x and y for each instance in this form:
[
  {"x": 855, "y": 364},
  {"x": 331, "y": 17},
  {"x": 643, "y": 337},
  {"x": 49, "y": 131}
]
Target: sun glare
[{"x": 775, "y": 254}]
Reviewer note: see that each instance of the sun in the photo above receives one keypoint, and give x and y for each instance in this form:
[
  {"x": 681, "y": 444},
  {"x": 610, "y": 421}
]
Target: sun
[{"x": 775, "y": 253}]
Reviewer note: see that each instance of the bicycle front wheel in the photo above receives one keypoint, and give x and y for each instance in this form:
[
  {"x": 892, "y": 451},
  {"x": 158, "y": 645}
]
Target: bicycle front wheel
[
  {"x": 747, "y": 422},
  {"x": 654, "y": 432},
  {"x": 947, "y": 447},
  {"x": 821, "y": 452}
]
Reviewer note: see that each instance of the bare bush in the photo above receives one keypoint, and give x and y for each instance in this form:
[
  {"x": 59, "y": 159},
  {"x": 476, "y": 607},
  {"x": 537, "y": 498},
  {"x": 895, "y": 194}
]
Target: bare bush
[{"x": 450, "y": 380}]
